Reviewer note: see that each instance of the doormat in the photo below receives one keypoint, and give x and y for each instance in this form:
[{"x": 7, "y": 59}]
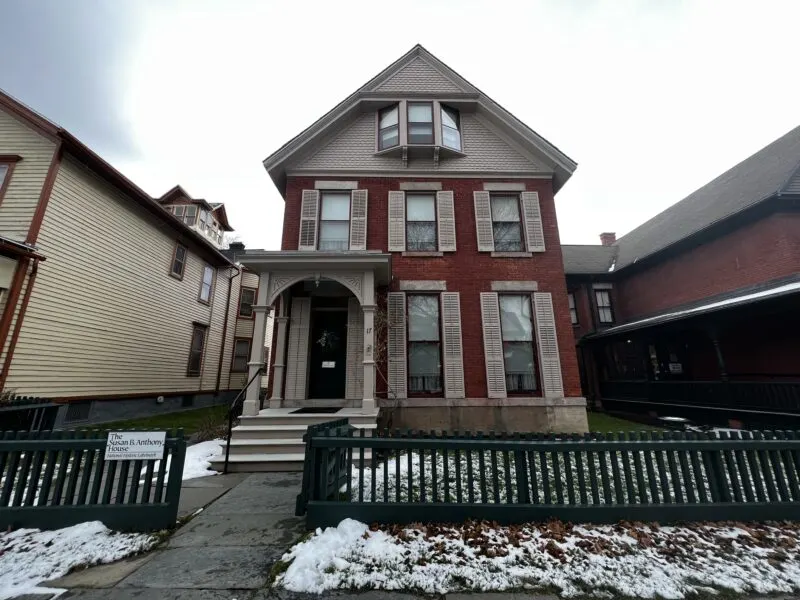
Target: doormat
[{"x": 320, "y": 410}]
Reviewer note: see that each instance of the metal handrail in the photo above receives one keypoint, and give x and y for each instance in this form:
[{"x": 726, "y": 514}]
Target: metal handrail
[{"x": 231, "y": 409}]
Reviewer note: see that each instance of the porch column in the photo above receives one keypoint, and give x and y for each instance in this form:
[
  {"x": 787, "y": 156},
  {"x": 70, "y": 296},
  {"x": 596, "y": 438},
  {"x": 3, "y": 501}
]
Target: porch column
[
  {"x": 279, "y": 364},
  {"x": 251, "y": 402},
  {"x": 368, "y": 305}
]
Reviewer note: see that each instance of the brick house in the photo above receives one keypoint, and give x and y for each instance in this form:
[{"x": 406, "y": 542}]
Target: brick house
[
  {"x": 419, "y": 207},
  {"x": 693, "y": 313}
]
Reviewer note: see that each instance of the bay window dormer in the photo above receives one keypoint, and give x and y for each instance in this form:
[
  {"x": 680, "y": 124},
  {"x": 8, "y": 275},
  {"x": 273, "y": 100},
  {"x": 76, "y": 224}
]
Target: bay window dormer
[{"x": 418, "y": 128}]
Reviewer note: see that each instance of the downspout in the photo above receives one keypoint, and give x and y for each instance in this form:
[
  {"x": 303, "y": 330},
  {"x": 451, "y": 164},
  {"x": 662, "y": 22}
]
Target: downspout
[
  {"x": 18, "y": 325},
  {"x": 225, "y": 329}
]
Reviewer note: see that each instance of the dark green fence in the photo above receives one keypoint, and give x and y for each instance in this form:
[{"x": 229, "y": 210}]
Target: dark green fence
[
  {"x": 55, "y": 479},
  {"x": 670, "y": 476},
  {"x": 25, "y": 413}
]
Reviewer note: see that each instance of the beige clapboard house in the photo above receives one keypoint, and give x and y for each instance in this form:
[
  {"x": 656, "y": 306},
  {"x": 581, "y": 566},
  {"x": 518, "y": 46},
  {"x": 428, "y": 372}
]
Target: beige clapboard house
[{"x": 117, "y": 302}]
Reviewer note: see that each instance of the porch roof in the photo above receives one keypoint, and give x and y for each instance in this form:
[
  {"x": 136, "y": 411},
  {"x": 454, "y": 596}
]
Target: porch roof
[
  {"x": 745, "y": 297},
  {"x": 271, "y": 261}
]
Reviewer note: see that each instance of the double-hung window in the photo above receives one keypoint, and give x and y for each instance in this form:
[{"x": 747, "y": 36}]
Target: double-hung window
[
  {"x": 246, "y": 300},
  {"x": 206, "y": 284},
  {"x": 420, "y": 123},
  {"x": 424, "y": 345},
  {"x": 518, "y": 352},
  {"x": 334, "y": 222},
  {"x": 420, "y": 222},
  {"x": 451, "y": 130},
  {"x": 388, "y": 127},
  {"x": 605, "y": 312},
  {"x": 5, "y": 171},
  {"x": 178, "y": 261},
  {"x": 241, "y": 354},
  {"x": 186, "y": 213},
  {"x": 573, "y": 312},
  {"x": 196, "y": 350},
  {"x": 506, "y": 223}
]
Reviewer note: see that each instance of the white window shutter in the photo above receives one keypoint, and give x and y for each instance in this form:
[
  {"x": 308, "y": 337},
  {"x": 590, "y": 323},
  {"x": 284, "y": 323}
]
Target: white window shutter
[
  {"x": 397, "y": 221},
  {"x": 483, "y": 222},
  {"x": 358, "y": 220},
  {"x": 534, "y": 233},
  {"x": 452, "y": 351},
  {"x": 354, "y": 377},
  {"x": 397, "y": 344},
  {"x": 446, "y": 221},
  {"x": 309, "y": 211},
  {"x": 297, "y": 351},
  {"x": 549, "y": 360},
  {"x": 493, "y": 345}
]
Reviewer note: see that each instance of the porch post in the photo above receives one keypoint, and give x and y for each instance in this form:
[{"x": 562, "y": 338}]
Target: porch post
[
  {"x": 251, "y": 402},
  {"x": 280, "y": 356},
  {"x": 368, "y": 305}
]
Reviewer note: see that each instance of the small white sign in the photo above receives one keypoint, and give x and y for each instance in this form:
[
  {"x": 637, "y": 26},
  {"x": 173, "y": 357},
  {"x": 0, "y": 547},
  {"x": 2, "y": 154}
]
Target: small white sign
[
  {"x": 676, "y": 368},
  {"x": 328, "y": 364},
  {"x": 135, "y": 445}
]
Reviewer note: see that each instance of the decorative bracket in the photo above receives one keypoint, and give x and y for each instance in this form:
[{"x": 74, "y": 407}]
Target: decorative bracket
[
  {"x": 405, "y": 157},
  {"x": 436, "y": 157}
]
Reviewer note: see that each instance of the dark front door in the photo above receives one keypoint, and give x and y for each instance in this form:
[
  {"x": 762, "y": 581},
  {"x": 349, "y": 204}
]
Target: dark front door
[{"x": 328, "y": 354}]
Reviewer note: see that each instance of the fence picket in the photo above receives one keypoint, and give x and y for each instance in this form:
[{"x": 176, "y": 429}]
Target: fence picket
[
  {"x": 434, "y": 477},
  {"x": 592, "y": 458},
  {"x": 557, "y": 473},
  {"x": 766, "y": 470},
  {"x": 780, "y": 474},
  {"x": 661, "y": 467},
  {"x": 697, "y": 473},
  {"x": 788, "y": 462},
  {"x": 457, "y": 459},
  {"x": 495, "y": 481},
  {"x": 76, "y": 460},
  {"x": 361, "y": 434},
  {"x": 732, "y": 474},
  {"x": 545, "y": 474},
  {"x": 677, "y": 488},
  {"x": 581, "y": 475},
  {"x": 21, "y": 475},
  {"x": 755, "y": 469},
  {"x": 63, "y": 468},
  {"x": 627, "y": 470},
  {"x": 410, "y": 471},
  {"x": 570, "y": 480},
  {"x": 421, "y": 454},
  {"x": 36, "y": 471},
  {"x": 88, "y": 468}
]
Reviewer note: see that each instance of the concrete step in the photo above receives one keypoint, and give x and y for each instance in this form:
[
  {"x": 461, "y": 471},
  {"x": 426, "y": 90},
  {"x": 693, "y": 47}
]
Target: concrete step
[
  {"x": 304, "y": 420},
  {"x": 267, "y": 462},
  {"x": 243, "y": 447},
  {"x": 269, "y": 432}
]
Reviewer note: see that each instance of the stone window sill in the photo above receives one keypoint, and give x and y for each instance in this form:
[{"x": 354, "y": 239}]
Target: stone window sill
[
  {"x": 512, "y": 254},
  {"x": 422, "y": 254}
]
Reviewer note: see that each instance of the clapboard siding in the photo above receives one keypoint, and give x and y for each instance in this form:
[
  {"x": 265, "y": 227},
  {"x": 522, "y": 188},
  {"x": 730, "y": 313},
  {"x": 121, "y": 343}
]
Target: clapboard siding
[
  {"x": 214, "y": 339},
  {"x": 105, "y": 317},
  {"x": 354, "y": 148},
  {"x": 25, "y": 185},
  {"x": 233, "y": 311},
  {"x": 250, "y": 279},
  {"x": 244, "y": 328}
]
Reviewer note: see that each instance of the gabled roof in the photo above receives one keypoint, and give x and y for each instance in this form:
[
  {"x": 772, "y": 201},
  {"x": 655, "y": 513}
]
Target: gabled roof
[
  {"x": 454, "y": 86},
  {"x": 84, "y": 154},
  {"x": 177, "y": 192},
  {"x": 588, "y": 260},
  {"x": 767, "y": 173},
  {"x": 218, "y": 209}
]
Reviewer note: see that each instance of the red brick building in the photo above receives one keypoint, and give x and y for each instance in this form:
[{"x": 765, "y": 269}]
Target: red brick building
[
  {"x": 421, "y": 269},
  {"x": 694, "y": 312}
]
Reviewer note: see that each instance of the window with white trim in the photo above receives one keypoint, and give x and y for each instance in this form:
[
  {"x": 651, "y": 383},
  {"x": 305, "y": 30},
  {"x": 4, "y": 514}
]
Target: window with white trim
[
  {"x": 605, "y": 312},
  {"x": 506, "y": 223},
  {"x": 424, "y": 344},
  {"x": 421, "y": 222},
  {"x": 186, "y": 213},
  {"x": 516, "y": 326},
  {"x": 573, "y": 312},
  {"x": 334, "y": 221}
]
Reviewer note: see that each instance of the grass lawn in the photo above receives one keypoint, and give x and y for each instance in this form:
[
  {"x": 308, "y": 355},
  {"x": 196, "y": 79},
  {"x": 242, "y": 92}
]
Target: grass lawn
[
  {"x": 190, "y": 420},
  {"x": 603, "y": 423}
]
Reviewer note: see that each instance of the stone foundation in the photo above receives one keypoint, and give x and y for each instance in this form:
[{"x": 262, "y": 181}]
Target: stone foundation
[{"x": 556, "y": 415}]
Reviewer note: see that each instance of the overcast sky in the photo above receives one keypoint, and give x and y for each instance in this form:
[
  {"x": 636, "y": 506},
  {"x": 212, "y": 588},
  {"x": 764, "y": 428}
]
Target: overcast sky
[{"x": 652, "y": 98}]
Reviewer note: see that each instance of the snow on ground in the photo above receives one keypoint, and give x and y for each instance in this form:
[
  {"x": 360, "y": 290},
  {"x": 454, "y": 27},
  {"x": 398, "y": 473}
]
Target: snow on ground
[
  {"x": 630, "y": 559},
  {"x": 198, "y": 459},
  {"x": 29, "y": 556}
]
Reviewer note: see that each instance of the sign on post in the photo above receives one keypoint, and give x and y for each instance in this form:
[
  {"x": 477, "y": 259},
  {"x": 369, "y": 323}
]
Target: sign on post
[{"x": 135, "y": 445}]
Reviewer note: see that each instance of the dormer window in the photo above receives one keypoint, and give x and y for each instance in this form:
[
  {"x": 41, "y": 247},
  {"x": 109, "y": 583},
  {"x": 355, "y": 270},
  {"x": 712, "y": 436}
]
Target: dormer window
[
  {"x": 451, "y": 131},
  {"x": 389, "y": 127},
  {"x": 186, "y": 213},
  {"x": 420, "y": 123}
]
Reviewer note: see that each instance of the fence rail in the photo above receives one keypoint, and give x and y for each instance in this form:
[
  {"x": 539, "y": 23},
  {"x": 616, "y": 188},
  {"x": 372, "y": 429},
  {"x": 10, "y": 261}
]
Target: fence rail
[
  {"x": 55, "y": 479},
  {"x": 660, "y": 476}
]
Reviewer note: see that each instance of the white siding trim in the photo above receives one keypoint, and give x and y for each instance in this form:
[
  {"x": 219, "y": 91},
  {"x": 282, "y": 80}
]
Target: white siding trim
[
  {"x": 534, "y": 233},
  {"x": 397, "y": 221},
  {"x": 297, "y": 350},
  {"x": 547, "y": 338},
  {"x": 493, "y": 346},
  {"x": 309, "y": 211},
  {"x": 452, "y": 351},
  {"x": 483, "y": 221},
  {"x": 446, "y": 221},
  {"x": 397, "y": 344},
  {"x": 354, "y": 377},
  {"x": 335, "y": 185},
  {"x": 358, "y": 220}
]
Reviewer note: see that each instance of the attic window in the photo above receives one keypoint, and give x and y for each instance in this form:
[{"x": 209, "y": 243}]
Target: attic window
[
  {"x": 420, "y": 123},
  {"x": 388, "y": 127},
  {"x": 451, "y": 130}
]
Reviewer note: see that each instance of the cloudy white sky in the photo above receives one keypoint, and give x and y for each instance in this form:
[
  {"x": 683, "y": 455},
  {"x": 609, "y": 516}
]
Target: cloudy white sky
[{"x": 652, "y": 98}]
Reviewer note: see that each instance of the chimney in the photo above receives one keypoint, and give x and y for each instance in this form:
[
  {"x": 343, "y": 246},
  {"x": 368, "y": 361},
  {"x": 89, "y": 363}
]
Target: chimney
[
  {"x": 608, "y": 239},
  {"x": 233, "y": 249}
]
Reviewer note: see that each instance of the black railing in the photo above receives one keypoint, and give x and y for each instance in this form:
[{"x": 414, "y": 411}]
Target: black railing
[
  {"x": 759, "y": 396},
  {"x": 51, "y": 480},
  {"x": 234, "y": 412},
  {"x": 670, "y": 476},
  {"x": 24, "y": 413}
]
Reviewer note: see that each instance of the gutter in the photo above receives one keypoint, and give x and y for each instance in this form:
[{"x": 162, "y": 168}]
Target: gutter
[{"x": 225, "y": 329}]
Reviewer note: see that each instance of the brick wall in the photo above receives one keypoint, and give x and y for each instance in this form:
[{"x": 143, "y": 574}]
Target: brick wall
[
  {"x": 466, "y": 271},
  {"x": 762, "y": 251}
]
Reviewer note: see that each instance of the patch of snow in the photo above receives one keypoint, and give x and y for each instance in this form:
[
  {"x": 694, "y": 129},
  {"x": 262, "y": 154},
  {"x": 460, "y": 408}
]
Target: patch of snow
[
  {"x": 639, "y": 561},
  {"x": 29, "y": 556},
  {"x": 197, "y": 462}
]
